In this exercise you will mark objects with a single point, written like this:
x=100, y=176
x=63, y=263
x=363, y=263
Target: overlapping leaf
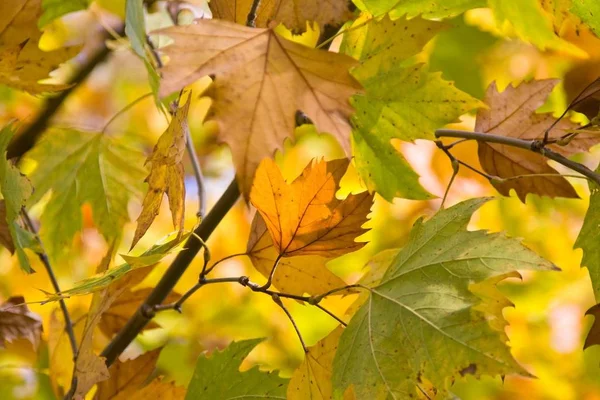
x=428, y=9
x=22, y=63
x=422, y=311
x=512, y=113
x=305, y=217
x=419, y=103
x=79, y=168
x=17, y=321
x=15, y=189
x=219, y=378
x=261, y=80
x=589, y=238
x=166, y=175
x=54, y=9
x=588, y=11
x=294, y=14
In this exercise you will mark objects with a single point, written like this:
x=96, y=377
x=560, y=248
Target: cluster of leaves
x=424, y=315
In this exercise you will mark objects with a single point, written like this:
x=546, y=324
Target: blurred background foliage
x=546, y=325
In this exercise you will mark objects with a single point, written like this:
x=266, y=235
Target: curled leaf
x=17, y=321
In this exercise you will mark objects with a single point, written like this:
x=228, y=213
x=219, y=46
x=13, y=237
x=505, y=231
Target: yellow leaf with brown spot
x=22, y=62
x=294, y=14
x=295, y=275
x=166, y=175
x=305, y=218
x=261, y=81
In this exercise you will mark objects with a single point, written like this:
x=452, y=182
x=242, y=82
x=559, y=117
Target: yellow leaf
x=59, y=348
x=166, y=175
x=22, y=62
x=294, y=14
x=305, y=218
x=261, y=81
x=295, y=275
x=158, y=389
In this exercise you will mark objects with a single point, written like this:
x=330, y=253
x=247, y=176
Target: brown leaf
x=158, y=389
x=5, y=237
x=295, y=275
x=588, y=101
x=128, y=377
x=294, y=14
x=117, y=315
x=512, y=114
x=261, y=81
x=17, y=321
x=22, y=63
x=593, y=336
x=305, y=218
x=166, y=175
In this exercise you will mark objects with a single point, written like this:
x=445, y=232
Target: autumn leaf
x=261, y=80
x=294, y=14
x=296, y=275
x=588, y=240
x=78, y=168
x=219, y=378
x=512, y=114
x=22, y=62
x=167, y=175
x=428, y=9
x=593, y=336
x=588, y=101
x=17, y=321
x=60, y=352
x=588, y=11
x=54, y=9
x=422, y=310
x=305, y=218
x=16, y=190
x=312, y=379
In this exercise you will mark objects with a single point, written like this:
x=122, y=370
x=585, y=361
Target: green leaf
x=94, y=283
x=426, y=8
x=420, y=322
x=589, y=12
x=15, y=189
x=79, y=168
x=54, y=9
x=589, y=239
x=532, y=24
x=219, y=378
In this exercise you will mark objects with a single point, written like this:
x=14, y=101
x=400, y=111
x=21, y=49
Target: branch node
x=147, y=311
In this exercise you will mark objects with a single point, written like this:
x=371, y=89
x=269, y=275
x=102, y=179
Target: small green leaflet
x=79, y=168
x=420, y=320
x=426, y=8
x=589, y=239
x=150, y=257
x=54, y=9
x=15, y=188
x=588, y=11
x=532, y=24
x=219, y=378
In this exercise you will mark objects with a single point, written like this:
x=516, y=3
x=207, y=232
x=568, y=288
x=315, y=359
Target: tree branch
x=536, y=146
x=22, y=143
x=145, y=312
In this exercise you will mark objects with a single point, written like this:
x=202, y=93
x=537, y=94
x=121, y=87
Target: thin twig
x=536, y=146
x=43, y=256
x=125, y=109
x=332, y=315
x=270, y=279
x=251, y=20
x=154, y=52
x=278, y=301
x=197, y=174
x=209, y=270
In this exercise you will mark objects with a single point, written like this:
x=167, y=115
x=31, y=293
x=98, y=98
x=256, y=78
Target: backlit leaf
x=588, y=11
x=166, y=175
x=17, y=321
x=79, y=168
x=219, y=378
x=422, y=311
x=261, y=80
x=426, y=8
x=54, y=9
x=588, y=240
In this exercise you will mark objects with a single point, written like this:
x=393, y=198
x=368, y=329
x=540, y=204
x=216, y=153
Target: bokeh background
x=547, y=324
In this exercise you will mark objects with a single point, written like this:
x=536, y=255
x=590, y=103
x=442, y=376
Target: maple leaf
x=305, y=218
x=588, y=11
x=17, y=321
x=219, y=378
x=22, y=62
x=512, y=114
x=295, y=275
x=79, y=168
x=294, y=14
x=428, y=9
x=422, y=310
x=588, y=239
x=60, y=353
x=15, y=189
x=262, y=80
x=166, y=175
x=312, y=379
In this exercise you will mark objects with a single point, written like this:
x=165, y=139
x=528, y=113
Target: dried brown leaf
x=22, y=63
x=17, y=321
x=166, y=175
x=512, y=114
x=5, y=237
x=593, y=336
x=261, y=81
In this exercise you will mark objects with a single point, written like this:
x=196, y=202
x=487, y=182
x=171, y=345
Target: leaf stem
x=189, y=144
x=209, y=270
x=536, y=146
x=251, y=20
x=125, y=109
x=278, y=301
